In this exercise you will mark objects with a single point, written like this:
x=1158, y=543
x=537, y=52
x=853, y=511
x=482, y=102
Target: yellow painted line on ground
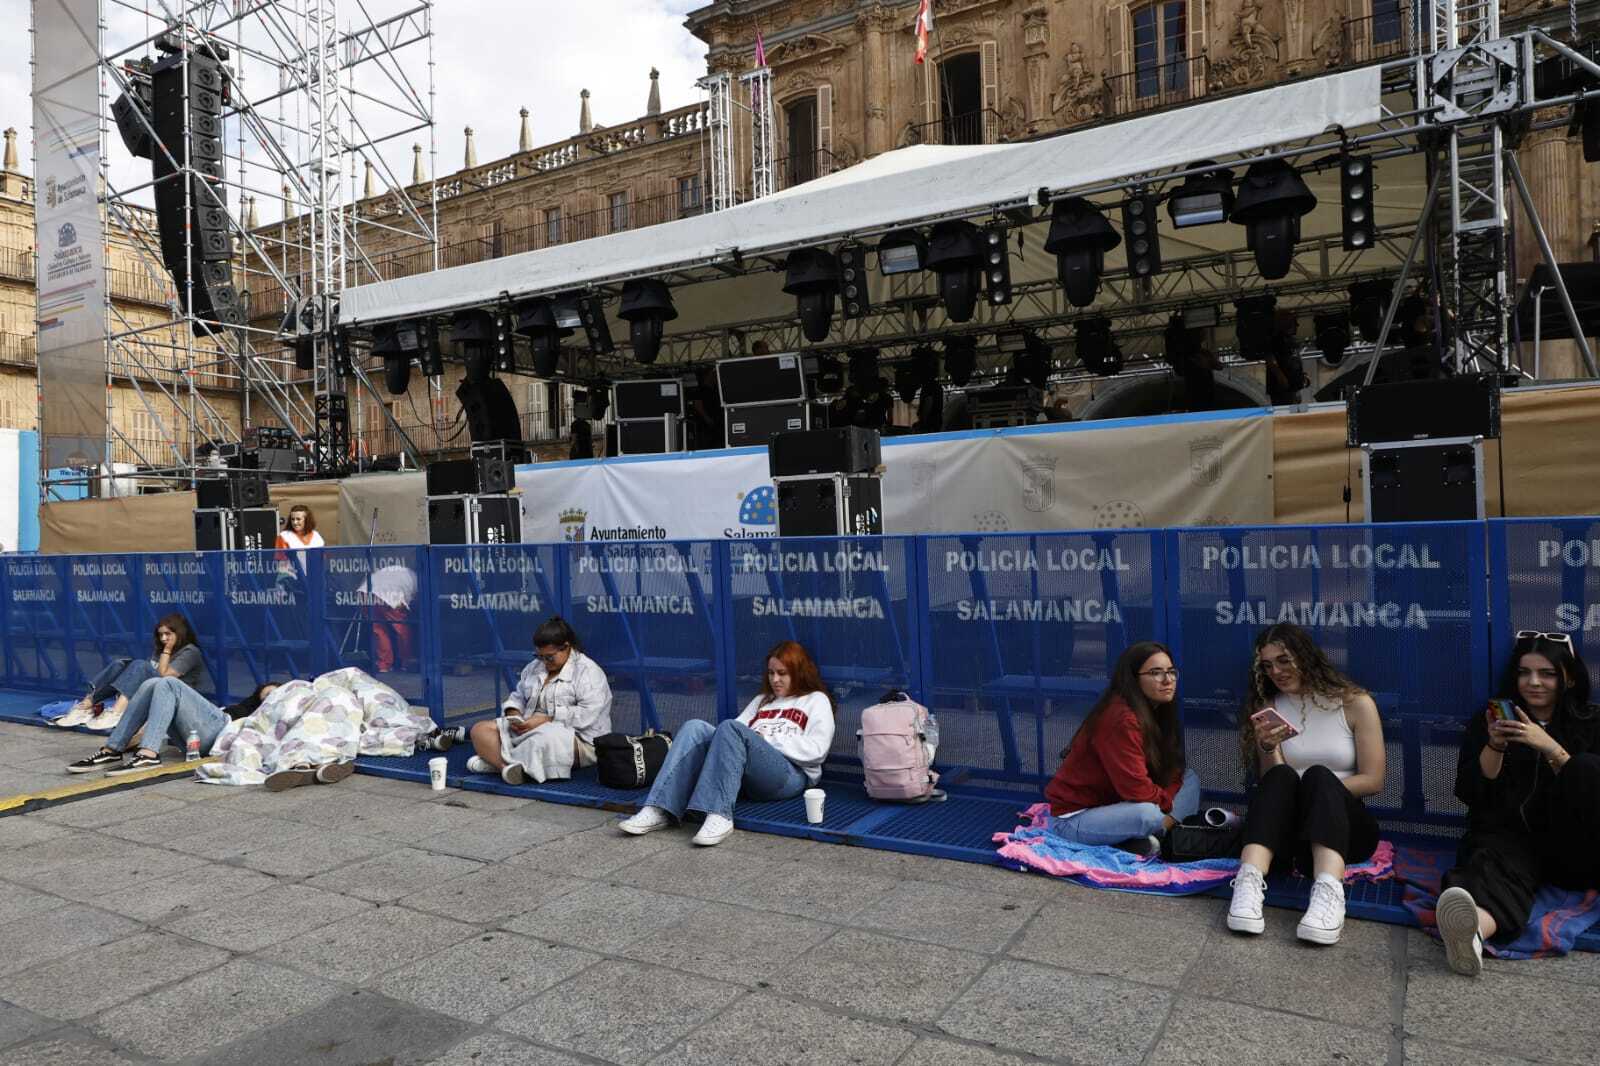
x=86, y=786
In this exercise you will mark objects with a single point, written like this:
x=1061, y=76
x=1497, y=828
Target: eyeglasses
x=548, y=657
x=1161, y=675
x=1554, y=638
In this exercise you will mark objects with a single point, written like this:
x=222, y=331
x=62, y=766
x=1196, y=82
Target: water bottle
x=191, y=747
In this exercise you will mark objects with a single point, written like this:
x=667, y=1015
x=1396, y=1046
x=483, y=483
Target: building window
x=689, y=195
x=961, y=99
x=619, y=212
x=800, y=125
x=1160, y=48
x=552, y=225
x=1386, y=21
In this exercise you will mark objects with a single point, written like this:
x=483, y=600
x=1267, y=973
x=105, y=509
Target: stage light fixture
x=811, y=276
x=863, y=368
x=1010, y=342
x=1097, y=348
x=647, y=308
x=305, y=353
x=342, y=367
x=853, y=290
x=536, y=320
x=960, y=359
x=430, y=357
x=957, y=253
x=1203, y=317
x=1139, y=229
x=388, y=343
x=1359, y=228
x=930, y=409
x=903, y=251
x=1202, y=199
x=1368, y=301
x=1253, y=325
x=1411, y=321
x=1272, y=198
x=906, y=382
x=1182, y=343
x=1332, y=331
x=830, y=375
x=997, y=263
x=1036, y=362
x=925, y=362
x=1079, y=238
x=482, y=342
x=592, y=318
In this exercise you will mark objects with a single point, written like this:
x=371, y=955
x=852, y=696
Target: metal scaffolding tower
x=719, y=129
x=759, y=85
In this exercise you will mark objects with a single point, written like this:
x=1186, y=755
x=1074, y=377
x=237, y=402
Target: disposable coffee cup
x=814, y=801
x=436, y=771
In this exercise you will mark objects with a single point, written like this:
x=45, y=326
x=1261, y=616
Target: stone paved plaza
x=376, y=922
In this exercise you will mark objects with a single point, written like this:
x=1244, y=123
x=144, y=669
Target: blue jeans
x=709, y=767
x=1116, y=822
x=122, y=676
x=167, y=708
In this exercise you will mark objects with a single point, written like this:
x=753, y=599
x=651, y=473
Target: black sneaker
x=98, y=761
x=138, y=761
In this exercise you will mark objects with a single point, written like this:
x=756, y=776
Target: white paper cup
x=814, y=801
x=436, y=770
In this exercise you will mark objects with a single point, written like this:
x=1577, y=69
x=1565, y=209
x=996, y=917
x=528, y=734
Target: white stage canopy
x=904, y=187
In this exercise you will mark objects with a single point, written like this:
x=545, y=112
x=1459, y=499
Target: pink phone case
x=1271, y=714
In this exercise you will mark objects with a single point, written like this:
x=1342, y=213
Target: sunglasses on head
x=1554, y=638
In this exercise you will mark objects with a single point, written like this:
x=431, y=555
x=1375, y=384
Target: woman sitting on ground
x=549, y=722
x=1312, y=774
x=1532, y=790
x=175, y=654
x=773, y=751
x=1122, y=779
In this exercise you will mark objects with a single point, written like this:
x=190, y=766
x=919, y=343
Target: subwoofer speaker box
x=1467, y=405
x=231, y=492
x=841, y=450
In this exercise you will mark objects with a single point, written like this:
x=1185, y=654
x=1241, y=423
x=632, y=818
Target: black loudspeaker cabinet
x=757, y=423
x=841, y=450
x=649, y=436
x=490, y=411
x=649, y=398
x=230, y=529
x=761, y=379
x=1464, y=406
x=830, y=505
x=489, y=519
x=451, y=477
x=231, y=492
x=1424, y=481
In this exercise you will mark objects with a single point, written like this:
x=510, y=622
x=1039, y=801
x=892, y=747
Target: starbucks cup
x=814, y=800
x=436, y=770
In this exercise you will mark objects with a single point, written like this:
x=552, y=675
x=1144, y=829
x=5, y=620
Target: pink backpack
x=898, y=739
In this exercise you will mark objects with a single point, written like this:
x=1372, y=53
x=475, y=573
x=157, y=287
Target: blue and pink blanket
x=1559, y=916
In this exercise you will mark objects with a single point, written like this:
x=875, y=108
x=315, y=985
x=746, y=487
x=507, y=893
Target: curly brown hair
x=1320, y=678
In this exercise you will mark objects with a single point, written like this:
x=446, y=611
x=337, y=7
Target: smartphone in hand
x=1269, y=716
x=1502, y=711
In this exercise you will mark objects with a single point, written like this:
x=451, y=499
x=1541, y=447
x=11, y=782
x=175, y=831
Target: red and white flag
x=761, y=50
x=923, y=26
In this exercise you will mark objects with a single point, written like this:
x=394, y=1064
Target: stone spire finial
x=250, y=220
x=11, y=149
x=585, y=122
x=654, y=106
x=288, y=201
x=525, y=138
x=470, y=160
x=418, y=175
x=366, y=185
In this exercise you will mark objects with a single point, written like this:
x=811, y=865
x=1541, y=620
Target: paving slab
x=494, y=836
x=97, y=879
x=212, y=1009
x=620, y=1012
x=1208, y=1032
x=764, y=1030
x=494, y=893
x=63, y=1049
x=486, y=976
x=88, y=982
x=687, y=870
x=806, y=889
x=595, y=853
x=730, y=943
x=407, y=821
x=109, y=809
x=1091, y=939
x=394, y=874
x=19, y=831
x=354, y=1029
x=884, y=976
x=952, y=916
x=569, y=815
x=318, y=851
x=1022, y=1006
x=933, y=1051
x=19, y=901
x=606, y=918
x=472, y=801
x=198, y=888
x=1431, y=1053
x=370, y=942
x=267, y=917
x=18, y=1025
x=56, y=933
x=496, y=1050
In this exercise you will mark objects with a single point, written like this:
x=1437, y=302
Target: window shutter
x=824, y=129
x=928, y=100
x=989, y=61
x=1117, y=28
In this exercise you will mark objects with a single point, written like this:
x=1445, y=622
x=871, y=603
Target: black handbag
x=1196, y=838
x=622, y=761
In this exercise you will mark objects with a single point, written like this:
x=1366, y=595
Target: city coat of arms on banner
x=572, y=523
x=1205, y=460
x=1038, y=482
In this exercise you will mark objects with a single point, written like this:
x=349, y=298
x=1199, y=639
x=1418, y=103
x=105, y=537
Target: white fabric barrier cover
x=897, y=187
x=1206, y=471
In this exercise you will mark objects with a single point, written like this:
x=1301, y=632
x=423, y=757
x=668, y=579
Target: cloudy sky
x=493, y=57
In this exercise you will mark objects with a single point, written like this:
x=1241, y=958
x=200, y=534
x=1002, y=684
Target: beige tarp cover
x=397, y=498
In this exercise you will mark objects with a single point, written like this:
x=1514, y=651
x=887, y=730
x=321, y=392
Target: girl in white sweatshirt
x=773, y=751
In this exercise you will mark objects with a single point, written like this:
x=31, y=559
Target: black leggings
x=1503, y=866
x=1289, y=812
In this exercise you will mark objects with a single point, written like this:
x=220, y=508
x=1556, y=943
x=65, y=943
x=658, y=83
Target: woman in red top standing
x=1122, y=779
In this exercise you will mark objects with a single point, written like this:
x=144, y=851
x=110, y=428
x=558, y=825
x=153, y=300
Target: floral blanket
x=312, y=723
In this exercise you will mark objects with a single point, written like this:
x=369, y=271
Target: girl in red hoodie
x=1122, y=779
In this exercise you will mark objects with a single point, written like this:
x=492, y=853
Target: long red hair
x=804, y=677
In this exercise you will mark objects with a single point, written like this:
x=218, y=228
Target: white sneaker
x=514, y=774
x=648, y=820
x=1324, y=918
x=1457, y=913
x=79, y=715
x=1249, y=896
x=477, y=765
x=714, y=831
x=106, y=720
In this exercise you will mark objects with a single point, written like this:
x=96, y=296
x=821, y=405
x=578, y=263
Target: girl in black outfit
x=1532, y=790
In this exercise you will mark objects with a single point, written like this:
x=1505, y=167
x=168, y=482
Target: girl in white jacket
x=773, y=751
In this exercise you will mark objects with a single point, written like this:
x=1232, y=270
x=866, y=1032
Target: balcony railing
x=1385, y=33
x=1155, y=85
x=792, y=170
x=19, y=349
x=974, y=127
x=16, y=263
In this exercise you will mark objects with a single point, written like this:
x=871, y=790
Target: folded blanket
x=314, y=723
x=546, y=753
x=1033, y=846
x=51, y=711
x=1559, y=917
